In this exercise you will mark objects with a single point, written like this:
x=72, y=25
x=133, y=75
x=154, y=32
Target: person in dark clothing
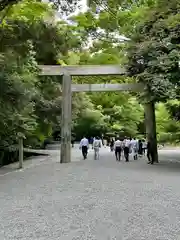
x=72, y=141
x=112, y=145
x=91, y=141
x=140, y=150
x=150, y=153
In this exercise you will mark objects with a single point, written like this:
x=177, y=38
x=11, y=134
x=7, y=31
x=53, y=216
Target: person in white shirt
x=134, y=147
x=97, y=144
x=84, y=145
x=118, y=149
x=127, y=144
x=105, y=143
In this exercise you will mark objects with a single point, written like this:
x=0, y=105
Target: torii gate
x=67, y=88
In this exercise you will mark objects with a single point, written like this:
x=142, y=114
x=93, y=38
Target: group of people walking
x=121, y=147
x=126, y=146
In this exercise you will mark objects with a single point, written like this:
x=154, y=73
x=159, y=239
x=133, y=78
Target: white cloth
x=127, y=143
x=118, y=143
x=97, y=143
x=134, y=152
x=144, y=145
x=134, y=144
x=105, y=142
x=134, y=147
x=84, y=142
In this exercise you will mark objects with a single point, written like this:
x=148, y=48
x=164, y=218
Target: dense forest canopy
x=30, y=35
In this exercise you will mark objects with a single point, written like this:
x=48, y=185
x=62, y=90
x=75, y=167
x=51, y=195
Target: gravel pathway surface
x=93, y=200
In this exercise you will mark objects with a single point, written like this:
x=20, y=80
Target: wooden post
x=21, y=155
x=66, y=120
x=150, y=121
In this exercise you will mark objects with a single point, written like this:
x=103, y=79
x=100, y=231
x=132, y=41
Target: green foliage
x=67, y=6
x=17, y=90
x=7, y=4
x=168, y=129
x=153, y=55
x=29, y=11
x=89, y=121
x=31, y=105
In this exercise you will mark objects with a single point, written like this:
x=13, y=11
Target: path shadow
x=168, y=166
x=167, y=163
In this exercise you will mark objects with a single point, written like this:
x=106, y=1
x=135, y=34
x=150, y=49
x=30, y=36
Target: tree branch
x=7, y=3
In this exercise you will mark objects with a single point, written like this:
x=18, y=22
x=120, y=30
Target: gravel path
x=92, y=200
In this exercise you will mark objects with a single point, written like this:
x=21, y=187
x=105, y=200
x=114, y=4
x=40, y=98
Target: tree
x=7, y=3
x=17, y=91
x=89, y=121
x=28, y=38
x=154, y=52
x=67, y=6
x=168, y=128
x=27, y=21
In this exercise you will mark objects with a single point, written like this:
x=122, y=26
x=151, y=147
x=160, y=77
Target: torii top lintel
x=82, y=70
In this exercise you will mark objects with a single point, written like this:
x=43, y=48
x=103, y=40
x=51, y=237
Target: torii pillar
x=66, y=118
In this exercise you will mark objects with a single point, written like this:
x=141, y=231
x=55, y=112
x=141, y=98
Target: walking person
x=105, y=143
x=144, y=146
x=91, y=141
x=150, y=153
x=134, y=148
x=112, y=145
x=140, y=150
x=84, y=145
x=97, y=144
x=127, y=144
x=118, y=149
x=72, y=141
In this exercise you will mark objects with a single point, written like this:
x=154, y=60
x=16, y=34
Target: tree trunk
x=150, y=121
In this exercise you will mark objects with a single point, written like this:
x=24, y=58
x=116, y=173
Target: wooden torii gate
x=67, y=88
